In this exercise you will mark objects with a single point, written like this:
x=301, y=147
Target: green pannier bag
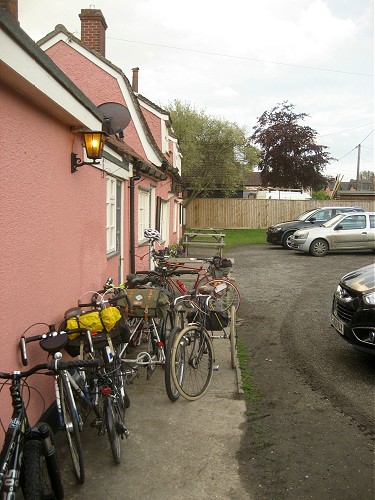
x=144, y=303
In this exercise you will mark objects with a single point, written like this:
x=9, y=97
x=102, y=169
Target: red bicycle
x=167, y=274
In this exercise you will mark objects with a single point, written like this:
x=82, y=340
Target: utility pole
x=358, y=163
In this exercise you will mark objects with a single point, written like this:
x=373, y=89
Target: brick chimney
x=135, y=80
x=10, y=6
x=93, y=28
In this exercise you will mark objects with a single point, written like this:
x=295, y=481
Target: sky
x=236, y=59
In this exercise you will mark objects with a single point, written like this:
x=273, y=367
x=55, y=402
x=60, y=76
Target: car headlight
x=301, y=234
x=369, y=298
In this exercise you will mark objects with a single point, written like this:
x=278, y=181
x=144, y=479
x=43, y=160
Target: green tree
x=290, y=157
x=367, y=175
x=216, y=154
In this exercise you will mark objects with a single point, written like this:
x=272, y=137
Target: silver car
x=350, y=231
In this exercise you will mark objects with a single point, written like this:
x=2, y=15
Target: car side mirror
x=337, y=228
x=313, y=219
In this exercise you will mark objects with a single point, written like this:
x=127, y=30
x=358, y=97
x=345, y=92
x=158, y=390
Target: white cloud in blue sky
x=238, y=59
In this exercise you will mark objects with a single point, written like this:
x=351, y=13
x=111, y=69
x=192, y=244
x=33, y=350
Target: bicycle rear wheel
x=114, y=409
x=192, y=362
x=226, y=293
x=112, y=421
x=71, y=423
x=233, y=337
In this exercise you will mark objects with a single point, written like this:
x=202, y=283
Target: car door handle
x=364, y=232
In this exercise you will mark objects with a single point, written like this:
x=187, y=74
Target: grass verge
x=239, y=237
x=251, y=394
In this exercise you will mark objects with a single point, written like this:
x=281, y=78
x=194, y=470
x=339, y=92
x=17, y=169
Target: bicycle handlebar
x=55, y=366
x=52, y=333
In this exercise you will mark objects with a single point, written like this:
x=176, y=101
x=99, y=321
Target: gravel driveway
x=311, y=433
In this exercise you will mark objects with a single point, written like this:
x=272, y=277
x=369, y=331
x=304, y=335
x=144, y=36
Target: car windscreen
x=334, y=220
x=305, y=215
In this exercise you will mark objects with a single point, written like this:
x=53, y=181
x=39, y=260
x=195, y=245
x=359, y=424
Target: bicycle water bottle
x=77, y=378
x=181, y=285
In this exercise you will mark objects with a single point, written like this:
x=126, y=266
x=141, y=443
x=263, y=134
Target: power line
x=347, y=130
x=355, y=147
x=239, y=57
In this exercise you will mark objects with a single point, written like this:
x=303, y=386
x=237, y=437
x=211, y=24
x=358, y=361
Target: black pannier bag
x=213, y=320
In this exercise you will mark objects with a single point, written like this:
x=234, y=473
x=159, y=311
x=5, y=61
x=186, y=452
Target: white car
x=350, y=231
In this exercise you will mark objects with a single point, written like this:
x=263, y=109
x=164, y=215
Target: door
x=350, y=232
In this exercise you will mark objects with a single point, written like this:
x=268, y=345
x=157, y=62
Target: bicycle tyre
x=37, y=481
x=111, y=417
x=233, y=337
x=224, y=300
x=172, y=391
x=71, y=418
x=192, y=347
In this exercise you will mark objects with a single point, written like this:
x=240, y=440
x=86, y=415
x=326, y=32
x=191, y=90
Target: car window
x=323, y=215
x=353, y=222
x=372, y=221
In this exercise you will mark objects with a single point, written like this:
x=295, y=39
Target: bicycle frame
x=11, y=454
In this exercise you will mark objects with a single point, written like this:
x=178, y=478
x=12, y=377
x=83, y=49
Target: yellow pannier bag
x=95, y=321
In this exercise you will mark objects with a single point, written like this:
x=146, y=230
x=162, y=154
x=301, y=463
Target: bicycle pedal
x=216, y=368
x=96, y=423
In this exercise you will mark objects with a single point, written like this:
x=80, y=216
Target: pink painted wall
x=52, y=227
x=154, y=124
x=99, y=86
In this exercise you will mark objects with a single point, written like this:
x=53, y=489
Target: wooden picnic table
x=204, y=238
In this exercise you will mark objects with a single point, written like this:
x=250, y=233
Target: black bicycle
x=28, y=458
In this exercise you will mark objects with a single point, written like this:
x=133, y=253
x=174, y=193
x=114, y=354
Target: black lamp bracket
x=76, y=162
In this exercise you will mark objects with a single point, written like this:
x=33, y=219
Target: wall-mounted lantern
x=94, y=143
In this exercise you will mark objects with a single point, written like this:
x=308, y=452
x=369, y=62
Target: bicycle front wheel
x=71, y=423
x=171, y=389
x=39, y=480
x=192, y=362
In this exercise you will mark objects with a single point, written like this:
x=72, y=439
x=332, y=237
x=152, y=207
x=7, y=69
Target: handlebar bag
x=144, y=303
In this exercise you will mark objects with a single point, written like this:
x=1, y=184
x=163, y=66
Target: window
x=354, y=222
x=111, y=214
x=175, y=216
x=323, y=215
x=144, y=212
x=372, y=221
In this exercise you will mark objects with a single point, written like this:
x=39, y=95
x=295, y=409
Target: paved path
x=182, y=450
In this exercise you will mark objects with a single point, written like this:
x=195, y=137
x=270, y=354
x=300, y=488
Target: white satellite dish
x=116, y=117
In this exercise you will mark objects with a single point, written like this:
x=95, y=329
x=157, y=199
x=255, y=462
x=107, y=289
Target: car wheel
x=287, y=240
x=319, y=248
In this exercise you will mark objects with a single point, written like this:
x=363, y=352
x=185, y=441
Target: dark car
x=280, y=234
x=353, y=309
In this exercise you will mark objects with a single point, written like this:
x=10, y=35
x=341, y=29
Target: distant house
x=347, y=190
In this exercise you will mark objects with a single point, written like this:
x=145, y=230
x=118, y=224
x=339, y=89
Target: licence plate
x=336, y=323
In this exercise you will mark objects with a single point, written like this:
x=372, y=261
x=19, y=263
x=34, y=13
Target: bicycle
x=69, y=416
x=28, y=458
x=191, y=370
x=226, y=292
x=106, y=387
x=191, y=357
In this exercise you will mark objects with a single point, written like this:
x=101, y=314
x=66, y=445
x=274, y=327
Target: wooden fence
x=237, y=213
